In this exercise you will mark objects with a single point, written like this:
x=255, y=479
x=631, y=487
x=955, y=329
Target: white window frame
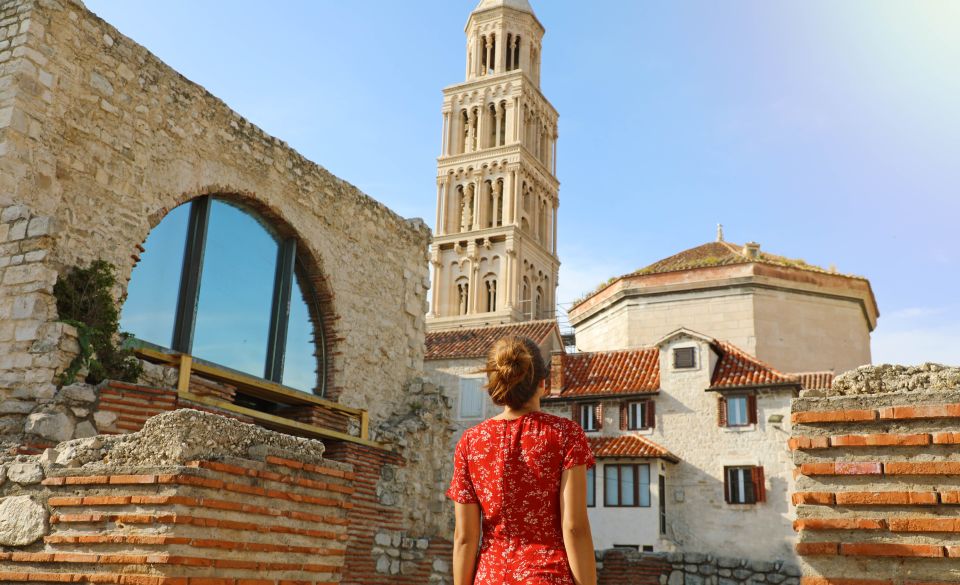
x=590, y=416
x=637, y=415
x=744, y=475
x=738, y=399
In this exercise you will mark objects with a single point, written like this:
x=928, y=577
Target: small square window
x=588, y=417
x=737, y=413
x=744, y=485
x=685, y=357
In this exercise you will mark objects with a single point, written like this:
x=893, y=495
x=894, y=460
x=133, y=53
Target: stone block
x=55, y=426
x=104, y=419
x=14, y=212
x=16, y=407
x=39, y=226
x=79, y=393
x=22, y=521
x=27, y=473
x=84, y=430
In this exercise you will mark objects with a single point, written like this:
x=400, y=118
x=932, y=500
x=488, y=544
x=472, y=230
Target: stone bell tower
x=494, y=255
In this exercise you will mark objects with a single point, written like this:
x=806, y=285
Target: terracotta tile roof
x=476, y=342
x=611, y=372
x=714, y=254
x=722, y=254
x=629, y=446
x=738, y=368
x=815, y=380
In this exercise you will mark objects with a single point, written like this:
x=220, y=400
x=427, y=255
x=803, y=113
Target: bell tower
x=494, y=254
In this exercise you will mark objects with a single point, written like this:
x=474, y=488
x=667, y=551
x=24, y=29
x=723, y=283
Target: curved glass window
x=239, y=303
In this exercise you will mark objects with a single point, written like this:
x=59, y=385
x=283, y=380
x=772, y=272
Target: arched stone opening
x=223, y=240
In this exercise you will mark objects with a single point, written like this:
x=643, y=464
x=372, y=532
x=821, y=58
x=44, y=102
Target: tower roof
x=522, y=5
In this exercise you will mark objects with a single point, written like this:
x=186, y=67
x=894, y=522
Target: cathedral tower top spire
x=503, y=36
x=494, y=253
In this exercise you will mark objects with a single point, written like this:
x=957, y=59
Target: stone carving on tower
x=494, y=254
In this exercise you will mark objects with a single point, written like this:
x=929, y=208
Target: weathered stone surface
x=16, y=406
x=104, y=419
x=79, y=393
x=25, y=473
x=84, y=430
x=55, y=426
x=22, y=521
x=879, y=379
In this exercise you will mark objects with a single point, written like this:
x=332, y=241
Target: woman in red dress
x=520, y=486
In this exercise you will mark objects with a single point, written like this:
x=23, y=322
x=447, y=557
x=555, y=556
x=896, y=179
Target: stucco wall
x=103, y=139
x=698, y=518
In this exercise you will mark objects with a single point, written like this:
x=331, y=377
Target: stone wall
x=190, y=497
x=99, y=140
x=879, y=477
x=628, y=567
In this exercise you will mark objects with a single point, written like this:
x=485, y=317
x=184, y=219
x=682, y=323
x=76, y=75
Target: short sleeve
x=576, y=448
x=461, y=486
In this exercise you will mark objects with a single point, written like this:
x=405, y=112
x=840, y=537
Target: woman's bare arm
x=577, y=539
x=466, y=542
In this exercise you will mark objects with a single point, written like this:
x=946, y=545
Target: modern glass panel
x=610, y=485
x=151, y=304
x=644, y=484
x=236, y=291
x=300, y=361
x=627, y=485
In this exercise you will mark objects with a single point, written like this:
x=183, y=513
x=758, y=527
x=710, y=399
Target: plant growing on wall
x=84, y=301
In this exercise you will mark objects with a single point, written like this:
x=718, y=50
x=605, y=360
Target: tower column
x=441, y=201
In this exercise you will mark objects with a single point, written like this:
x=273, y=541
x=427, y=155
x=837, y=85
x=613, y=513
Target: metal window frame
x=188, y=296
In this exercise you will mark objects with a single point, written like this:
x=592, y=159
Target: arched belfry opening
x=227, y=282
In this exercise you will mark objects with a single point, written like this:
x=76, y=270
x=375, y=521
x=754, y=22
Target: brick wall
x=267, y=521
x=878, y=483
x=379, y=548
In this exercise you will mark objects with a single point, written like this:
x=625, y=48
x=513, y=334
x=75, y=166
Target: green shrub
x=84, y=301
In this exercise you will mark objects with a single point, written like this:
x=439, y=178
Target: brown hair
x=514, y=371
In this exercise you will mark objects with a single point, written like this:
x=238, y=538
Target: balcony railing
x=260, y=389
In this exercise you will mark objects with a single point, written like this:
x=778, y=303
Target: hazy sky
x=827, y=131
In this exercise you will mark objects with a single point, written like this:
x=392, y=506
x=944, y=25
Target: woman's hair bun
x=514, y=370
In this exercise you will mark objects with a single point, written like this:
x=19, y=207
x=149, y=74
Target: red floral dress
x=512, y=468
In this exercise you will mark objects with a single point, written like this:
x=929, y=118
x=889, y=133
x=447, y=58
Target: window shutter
x=599, y=414
x=752, y=408
x=575, y=412
x=726, y=484
x=759, y=489
x=624, y=414
x=651, y=421
x=722, y=411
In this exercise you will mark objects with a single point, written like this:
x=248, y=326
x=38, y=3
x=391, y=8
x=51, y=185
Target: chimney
x=556, y=373
x=751, y=250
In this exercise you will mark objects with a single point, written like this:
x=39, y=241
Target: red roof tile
x=815, y=380
x=629, y=446
x=611, y=372
x=476, y=342
x=738, y=368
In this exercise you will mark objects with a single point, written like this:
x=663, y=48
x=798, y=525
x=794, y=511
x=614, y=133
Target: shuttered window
x=737, y=411
x=685, y=357
x=471, y=398
x=589, y=415
x=639, y=415
x=744, y=485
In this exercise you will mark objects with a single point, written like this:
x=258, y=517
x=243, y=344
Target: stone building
x=690, y=439
x=494, y=254
x=108, y=154
x=793, y=315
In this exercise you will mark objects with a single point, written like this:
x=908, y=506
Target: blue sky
x=826, y=131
